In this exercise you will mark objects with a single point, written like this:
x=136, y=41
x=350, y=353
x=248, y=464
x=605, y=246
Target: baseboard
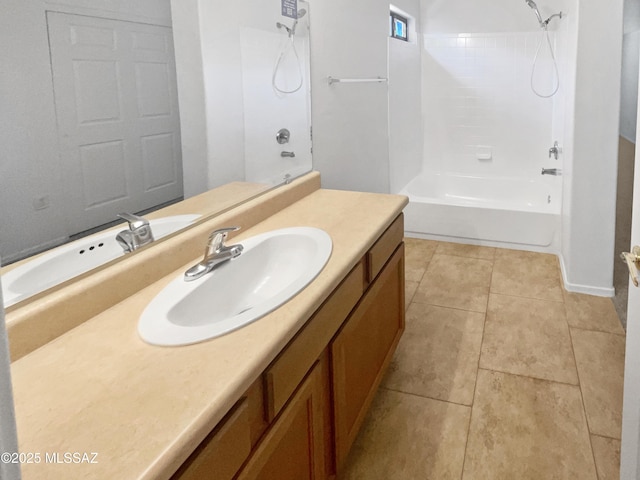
x=586, y=289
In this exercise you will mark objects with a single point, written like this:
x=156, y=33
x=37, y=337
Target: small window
x=399, y=27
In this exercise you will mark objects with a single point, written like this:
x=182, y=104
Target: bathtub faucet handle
x=555, y=150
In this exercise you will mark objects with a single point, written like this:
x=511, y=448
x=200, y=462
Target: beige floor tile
x=607, y=454
x=406, y=437
x=409, y=291
x=418, y=253
x=456, y=282
x=527, y=429
x=438, y=354
x=528, y=337
x=526, y=274
x=592, y=313
x=464, y=250
x=600, y=362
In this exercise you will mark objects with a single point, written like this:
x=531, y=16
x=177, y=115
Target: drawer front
x=288, y=370
x=223, y=452
x=378, y=255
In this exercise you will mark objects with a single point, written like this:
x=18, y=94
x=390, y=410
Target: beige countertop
x=143, y=409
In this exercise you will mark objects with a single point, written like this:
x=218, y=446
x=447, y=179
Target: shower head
x=301, y=13
x=534, y=7
x=292, y=31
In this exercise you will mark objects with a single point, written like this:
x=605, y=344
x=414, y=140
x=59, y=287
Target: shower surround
x=486, y=139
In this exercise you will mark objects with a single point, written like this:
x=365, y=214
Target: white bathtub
x=484, y=210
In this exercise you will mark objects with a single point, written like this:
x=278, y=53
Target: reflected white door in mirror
x=117, y=114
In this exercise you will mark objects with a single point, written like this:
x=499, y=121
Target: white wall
x=29, y=163
x=190, y=78
x=630, y=68
x=629, y=94
x=478, y=16
x=350, y=121
x=590, y=178
x=225, y=55
x=405, y=93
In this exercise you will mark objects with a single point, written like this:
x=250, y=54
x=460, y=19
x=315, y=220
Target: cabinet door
x=363, y=349
x=293, y=449
x=224, y=450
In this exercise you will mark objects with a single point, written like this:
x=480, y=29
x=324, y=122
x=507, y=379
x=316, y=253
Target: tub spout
x=551, y=171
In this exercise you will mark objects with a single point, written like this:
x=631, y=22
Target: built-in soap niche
x=484, y=153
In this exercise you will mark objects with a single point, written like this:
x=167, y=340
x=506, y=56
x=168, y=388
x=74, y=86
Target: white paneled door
x=117, y=113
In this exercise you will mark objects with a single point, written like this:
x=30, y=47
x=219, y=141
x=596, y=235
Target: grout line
x=529, y=377
x=528, y=298
x=605, y=436
x=452, y=254
x=447, y=307
x=425, y=397
x=584, y=408
x=597, y=331
x=466, y=257
x=475, y=384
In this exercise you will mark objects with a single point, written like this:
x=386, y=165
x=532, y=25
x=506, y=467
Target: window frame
x=396, y=16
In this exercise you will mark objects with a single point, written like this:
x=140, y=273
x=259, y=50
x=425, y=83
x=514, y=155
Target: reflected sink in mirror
x=272, y=268
x=75, y=258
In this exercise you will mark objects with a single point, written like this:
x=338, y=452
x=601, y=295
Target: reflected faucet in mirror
x=138, y=235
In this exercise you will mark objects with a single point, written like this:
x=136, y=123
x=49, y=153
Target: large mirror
x=113, y=107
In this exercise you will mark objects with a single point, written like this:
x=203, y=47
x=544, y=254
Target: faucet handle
x=135, y=221
x=217, y=238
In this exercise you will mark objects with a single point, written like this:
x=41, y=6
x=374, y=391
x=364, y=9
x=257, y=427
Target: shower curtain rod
x=333, y=80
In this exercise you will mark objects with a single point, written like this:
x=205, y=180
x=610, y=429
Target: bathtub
x=484, y=210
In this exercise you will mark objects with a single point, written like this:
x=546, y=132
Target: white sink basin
x=272, y=268
x=75, y=258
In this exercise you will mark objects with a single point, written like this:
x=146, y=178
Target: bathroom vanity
x=281, y=398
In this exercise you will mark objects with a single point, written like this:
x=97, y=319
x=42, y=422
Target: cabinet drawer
x=223, y=452
x=288, y=370
x=378, y=255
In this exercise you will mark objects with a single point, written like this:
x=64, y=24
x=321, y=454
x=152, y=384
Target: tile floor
x=500, y=374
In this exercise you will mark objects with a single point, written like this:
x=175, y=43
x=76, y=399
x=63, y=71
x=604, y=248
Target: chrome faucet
x=287, y=154
x=215, y=253
x=138, y=235
x=551, y=171
x=555, y=150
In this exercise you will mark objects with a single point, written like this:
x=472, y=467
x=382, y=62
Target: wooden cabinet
x=299, y=419
x=285, y=373
x=224, y=450
x=293, y=449
x=363, y=349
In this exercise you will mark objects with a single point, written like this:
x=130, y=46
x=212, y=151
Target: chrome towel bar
x=333, y=80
